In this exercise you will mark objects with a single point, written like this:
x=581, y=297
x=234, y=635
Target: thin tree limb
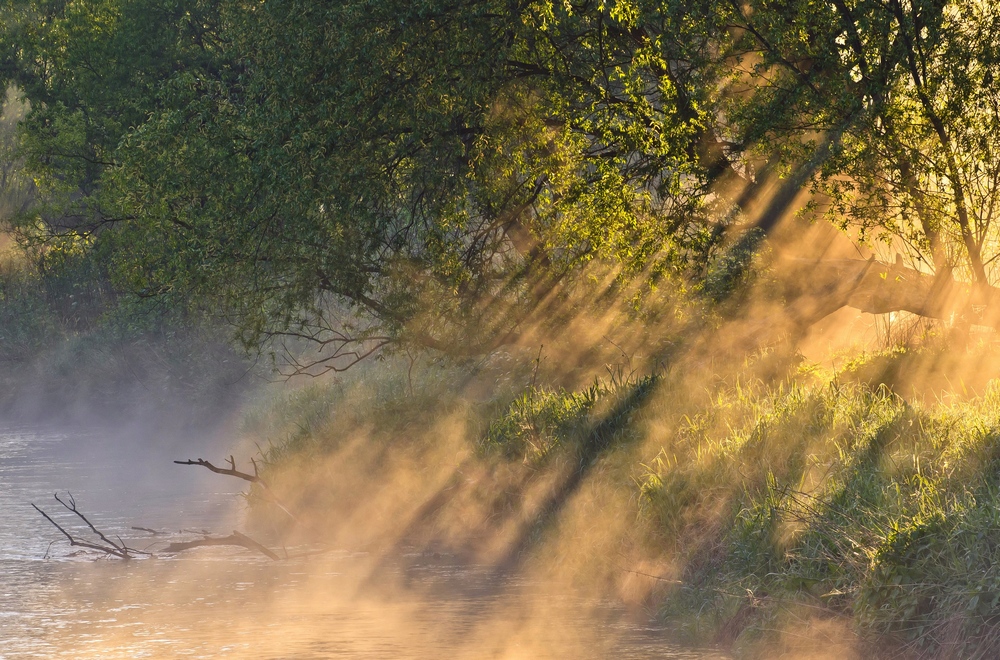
x=71, y=506
x=252, y=478
x=230, y=471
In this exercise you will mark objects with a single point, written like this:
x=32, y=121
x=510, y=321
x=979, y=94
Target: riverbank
x=777, y=508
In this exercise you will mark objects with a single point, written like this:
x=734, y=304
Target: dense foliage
x=371, y=172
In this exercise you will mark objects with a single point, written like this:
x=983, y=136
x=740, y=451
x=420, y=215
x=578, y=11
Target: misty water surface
x=227, y=603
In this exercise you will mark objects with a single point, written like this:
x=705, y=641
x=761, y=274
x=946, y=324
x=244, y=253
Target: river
x=226, y=602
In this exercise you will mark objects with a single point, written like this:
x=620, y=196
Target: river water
x=225, y=602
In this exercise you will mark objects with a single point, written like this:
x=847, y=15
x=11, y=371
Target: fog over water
x=226, y=602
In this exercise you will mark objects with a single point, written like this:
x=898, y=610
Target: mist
x=610, y=485
x=607, y=486
x=425, y=329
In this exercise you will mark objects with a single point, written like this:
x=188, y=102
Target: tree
x=921, y=172
x=427, y=172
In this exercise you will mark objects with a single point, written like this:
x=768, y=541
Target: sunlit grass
x=812, y=493
x=839, y=497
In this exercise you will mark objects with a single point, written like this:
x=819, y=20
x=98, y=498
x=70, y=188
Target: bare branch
x=235, y=538
x=113, y=550
x=231, y=471
x=252, y=478
x=147, y=529
x=122, y=548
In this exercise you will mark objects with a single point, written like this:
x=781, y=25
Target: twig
x=534, y=372
x=625, y=355
x=151, y=531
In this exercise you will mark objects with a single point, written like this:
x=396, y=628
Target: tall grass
x=840, y=499
x=808, y=494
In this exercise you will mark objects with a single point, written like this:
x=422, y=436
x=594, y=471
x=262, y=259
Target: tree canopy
x=426, y=171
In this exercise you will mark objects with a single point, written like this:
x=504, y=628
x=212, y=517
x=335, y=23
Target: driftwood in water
x=148, y=530
x=235, y=539
x=122, y=551
x=107, y=546
x=245, y=476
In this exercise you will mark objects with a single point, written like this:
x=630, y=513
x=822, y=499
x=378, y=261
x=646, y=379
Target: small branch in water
x=252, y=478
x=231, y=471
x=235, y=538
x=147, y=529
x=71, y=506
x=119, y=549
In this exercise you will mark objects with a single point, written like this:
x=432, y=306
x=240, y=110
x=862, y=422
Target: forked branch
x=118, y=549
x=230, y=471
x=245, y=476
x=122, y=551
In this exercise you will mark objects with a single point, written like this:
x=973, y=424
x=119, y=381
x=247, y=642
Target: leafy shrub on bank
x=540, y=420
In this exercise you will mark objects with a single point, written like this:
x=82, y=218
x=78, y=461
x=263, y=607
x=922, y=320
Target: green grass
x=837, y=499
x=806, y=495
x=540, y=421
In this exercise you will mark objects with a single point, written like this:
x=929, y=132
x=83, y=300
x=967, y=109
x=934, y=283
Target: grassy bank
x=793, y=501
x=779, y=509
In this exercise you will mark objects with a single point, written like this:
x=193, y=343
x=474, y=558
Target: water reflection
x=220, y=602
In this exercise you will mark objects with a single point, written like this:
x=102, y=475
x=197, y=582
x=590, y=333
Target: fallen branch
x=203, y=532
x=122, y=551
x=119, y=549
x=71, y=506
x=148, y=530
x=252, y=478
x=235, y=538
